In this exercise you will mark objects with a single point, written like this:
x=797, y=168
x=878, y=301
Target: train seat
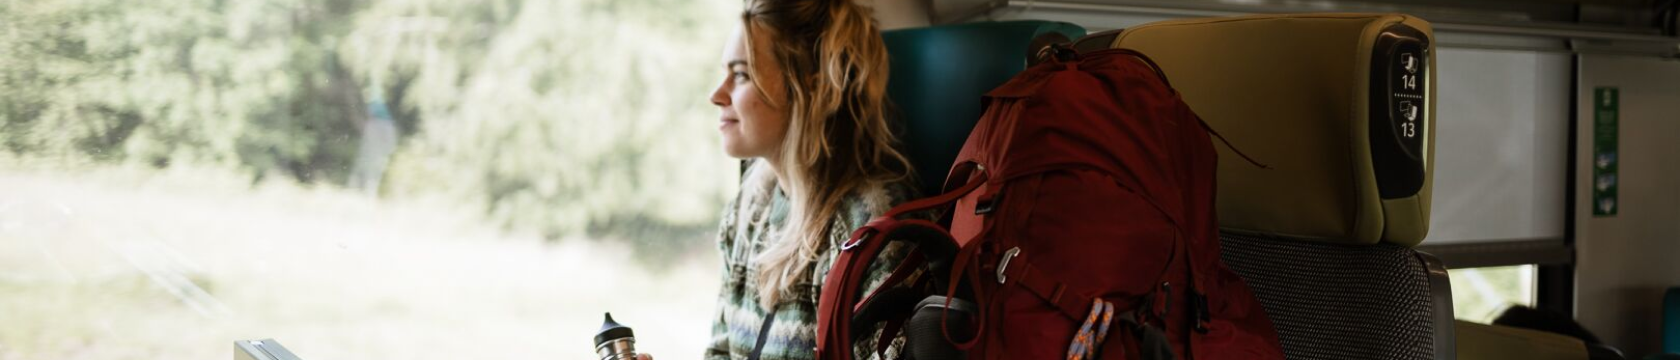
x=1340, y=108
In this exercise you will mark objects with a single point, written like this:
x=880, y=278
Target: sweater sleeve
x=717, y=348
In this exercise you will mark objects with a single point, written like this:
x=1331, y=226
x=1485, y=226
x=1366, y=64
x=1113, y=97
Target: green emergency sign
x=1606, y=109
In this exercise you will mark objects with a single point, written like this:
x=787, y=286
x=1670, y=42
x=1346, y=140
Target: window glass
x=1501, y=135
x=418, y=179
x=1480, y=294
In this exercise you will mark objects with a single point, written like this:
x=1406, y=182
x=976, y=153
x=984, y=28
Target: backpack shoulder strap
x=838, y=301
x=763, y=334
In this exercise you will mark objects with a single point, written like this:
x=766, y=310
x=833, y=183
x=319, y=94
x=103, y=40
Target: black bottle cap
x=611, y=330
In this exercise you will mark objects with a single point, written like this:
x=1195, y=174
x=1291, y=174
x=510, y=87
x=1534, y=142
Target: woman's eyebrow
x=732, y=63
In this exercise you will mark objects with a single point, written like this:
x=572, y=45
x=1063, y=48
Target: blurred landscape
x=118, y=265
x=564, y=117
x=1481, y=294
x=423, y=179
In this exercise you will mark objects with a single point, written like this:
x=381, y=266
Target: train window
x=1480, y=294
x=417, y=179
x=1499, y=202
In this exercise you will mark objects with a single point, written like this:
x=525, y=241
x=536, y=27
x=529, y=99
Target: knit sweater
x=792, y=335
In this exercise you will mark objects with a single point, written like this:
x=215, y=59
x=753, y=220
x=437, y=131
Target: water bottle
x=615, y=342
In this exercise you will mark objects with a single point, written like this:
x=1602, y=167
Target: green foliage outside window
x=565, y=118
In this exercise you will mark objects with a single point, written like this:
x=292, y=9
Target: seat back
x=938, y=76
x=1340, y=109
x=1341, y=301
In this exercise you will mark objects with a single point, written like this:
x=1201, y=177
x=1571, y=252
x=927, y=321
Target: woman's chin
x=734, y=150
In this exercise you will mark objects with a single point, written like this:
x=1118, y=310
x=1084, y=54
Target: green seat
x=1671, y=321
x=938, y=76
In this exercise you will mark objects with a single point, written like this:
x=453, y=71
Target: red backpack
x=1082, y=227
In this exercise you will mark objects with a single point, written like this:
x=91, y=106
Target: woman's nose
x=720, y=96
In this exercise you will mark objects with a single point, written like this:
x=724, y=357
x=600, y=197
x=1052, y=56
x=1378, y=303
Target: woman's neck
x=781, y=182
x=777, y=170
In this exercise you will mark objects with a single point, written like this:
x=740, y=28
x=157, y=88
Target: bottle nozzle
x=612, y=330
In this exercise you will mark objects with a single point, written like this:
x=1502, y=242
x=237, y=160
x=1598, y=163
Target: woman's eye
x=738, y=76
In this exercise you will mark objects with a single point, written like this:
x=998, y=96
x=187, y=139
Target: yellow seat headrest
x=1339, y=106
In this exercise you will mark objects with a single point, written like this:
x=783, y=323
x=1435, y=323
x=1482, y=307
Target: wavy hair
x=838, y=141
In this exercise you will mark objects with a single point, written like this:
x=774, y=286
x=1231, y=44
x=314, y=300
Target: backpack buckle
x=1199, y=314
x=1003, y=264
x=857, y=238
x=987, y=203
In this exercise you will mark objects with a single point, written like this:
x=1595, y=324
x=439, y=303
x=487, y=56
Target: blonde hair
x=838, y=139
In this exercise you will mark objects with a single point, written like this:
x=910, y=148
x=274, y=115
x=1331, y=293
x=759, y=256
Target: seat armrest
x=1493, y=342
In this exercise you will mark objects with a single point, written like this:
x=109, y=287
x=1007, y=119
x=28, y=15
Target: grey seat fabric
x=1340, y=301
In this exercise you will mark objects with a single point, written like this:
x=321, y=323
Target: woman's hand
x=644, y=357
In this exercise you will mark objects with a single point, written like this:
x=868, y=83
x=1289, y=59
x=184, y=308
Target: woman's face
x=752, y=125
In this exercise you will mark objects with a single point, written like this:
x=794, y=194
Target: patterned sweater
x=792, y=334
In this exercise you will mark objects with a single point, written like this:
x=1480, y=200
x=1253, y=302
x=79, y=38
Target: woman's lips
x=726, y=122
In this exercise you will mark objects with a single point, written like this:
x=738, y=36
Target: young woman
x=804, y=100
